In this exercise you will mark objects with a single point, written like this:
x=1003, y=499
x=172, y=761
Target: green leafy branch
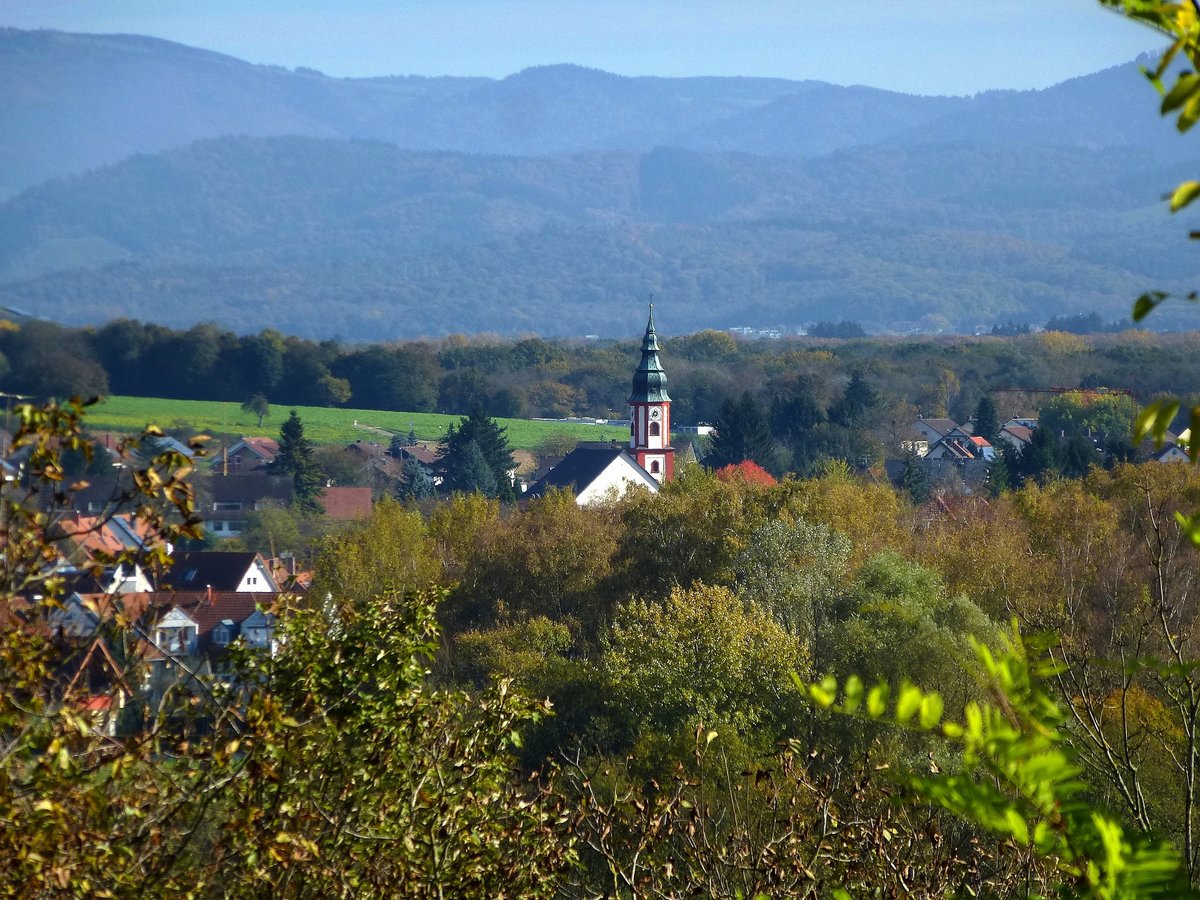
x=1019, y=779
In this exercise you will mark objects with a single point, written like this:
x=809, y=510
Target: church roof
x=649, y=379
x=581, y=467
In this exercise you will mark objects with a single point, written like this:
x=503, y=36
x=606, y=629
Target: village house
x=229, y=501
x=219, y=571
x=245, y=455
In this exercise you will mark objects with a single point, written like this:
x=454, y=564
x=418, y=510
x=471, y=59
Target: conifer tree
x=490, y=442
x=986, y=420
x=415, y=482
x=472, y=474
x=1000, y=471
x=295, y=459
x=743, y=433
x=915, y=480
x=855, y=403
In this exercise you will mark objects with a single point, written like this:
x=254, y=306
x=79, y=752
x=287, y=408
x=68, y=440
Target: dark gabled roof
x=941, y=426
x=423, y=455
x=580, y=468
x=1020, y=432
x=262, y=448
x=197, y=570
x=250, y=487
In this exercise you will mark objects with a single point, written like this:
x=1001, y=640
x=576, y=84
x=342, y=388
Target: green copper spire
x=649, y=380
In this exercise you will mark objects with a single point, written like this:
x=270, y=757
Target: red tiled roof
x=207, y=610
x=347, y=502
x=98, y=534
x=265, y=447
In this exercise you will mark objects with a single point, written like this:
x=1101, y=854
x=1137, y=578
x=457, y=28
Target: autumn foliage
x=747, y=471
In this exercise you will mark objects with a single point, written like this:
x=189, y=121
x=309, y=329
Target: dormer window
x=223, y=633
x=176, y=641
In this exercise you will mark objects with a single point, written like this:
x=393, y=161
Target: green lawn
x=321, y=425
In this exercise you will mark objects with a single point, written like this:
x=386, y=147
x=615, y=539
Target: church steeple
x=650, y=411
x=649, y=379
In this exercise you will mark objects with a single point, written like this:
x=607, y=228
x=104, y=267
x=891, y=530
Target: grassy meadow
x=321, y=425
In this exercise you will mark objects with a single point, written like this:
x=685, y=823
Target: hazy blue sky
x=927, y=46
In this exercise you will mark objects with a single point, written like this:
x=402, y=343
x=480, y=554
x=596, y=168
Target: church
x=595, y=472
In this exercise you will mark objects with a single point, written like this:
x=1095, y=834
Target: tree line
x=557, y=377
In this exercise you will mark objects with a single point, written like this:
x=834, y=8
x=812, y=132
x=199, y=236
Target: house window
x=654, y=467
x=654, y=432
x=252, y=580
x=227, y=505
x=176, y=640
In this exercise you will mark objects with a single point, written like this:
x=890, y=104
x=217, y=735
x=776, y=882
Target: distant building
x=650, y=412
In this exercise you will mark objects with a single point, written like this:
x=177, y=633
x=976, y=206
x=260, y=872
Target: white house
x=596, y=472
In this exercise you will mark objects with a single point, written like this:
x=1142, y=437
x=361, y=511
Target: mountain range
x=143, y=178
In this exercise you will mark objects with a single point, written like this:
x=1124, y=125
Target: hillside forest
x=551, y=200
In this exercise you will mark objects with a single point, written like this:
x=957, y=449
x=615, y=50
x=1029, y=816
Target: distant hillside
x=72, y=102
x=144, y=178
x=365, y=241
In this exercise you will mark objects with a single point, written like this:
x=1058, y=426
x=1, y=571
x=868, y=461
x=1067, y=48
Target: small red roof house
x=106, y=535
x=982, y=448
x=245, y=455
x=345, y=503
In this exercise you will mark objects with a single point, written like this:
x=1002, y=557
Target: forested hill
x=362, y=240
x=70, y=102
x=555, y=199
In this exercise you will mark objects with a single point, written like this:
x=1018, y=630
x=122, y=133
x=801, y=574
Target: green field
x=321, y=425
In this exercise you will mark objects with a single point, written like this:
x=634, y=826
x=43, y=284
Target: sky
x=914, y=46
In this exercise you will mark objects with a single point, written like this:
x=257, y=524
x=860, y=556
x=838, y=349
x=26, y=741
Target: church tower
x=650, y=412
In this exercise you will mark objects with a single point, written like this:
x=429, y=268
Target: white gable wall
x=257, y=580
x=619, y=476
